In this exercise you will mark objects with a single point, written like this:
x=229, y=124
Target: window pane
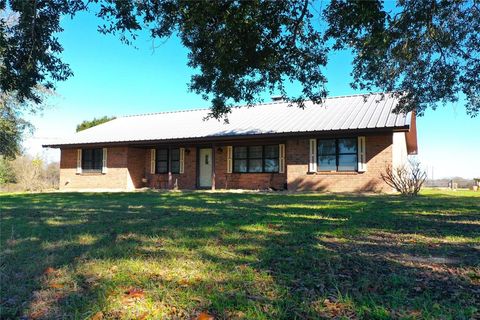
x=162, y=154
x=255, y=152
x=175, y=154
x=240, y=152
x=255, y=165
x=347, y=145
x=98, y=164
x=86, y=159
x=98, y=157
x=98, y=153
x=175, y=166
x=87, y=154
x=162, y=166
x=347, y=162
x=271, y=151
x=326, y=147
x=92, y=159
x=240, y=166
x=327, y=163
x=87, y=165
x=271, y=165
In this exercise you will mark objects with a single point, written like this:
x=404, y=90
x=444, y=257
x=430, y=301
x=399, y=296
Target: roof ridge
x=246, y=105
x=161, y=112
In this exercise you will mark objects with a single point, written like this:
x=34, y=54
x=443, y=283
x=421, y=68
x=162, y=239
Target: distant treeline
x=92, y=123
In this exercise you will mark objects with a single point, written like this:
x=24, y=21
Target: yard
x=174, y=255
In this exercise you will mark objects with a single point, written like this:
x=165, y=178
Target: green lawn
x=240, y=256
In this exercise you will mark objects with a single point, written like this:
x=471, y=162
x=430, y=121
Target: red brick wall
x=115, y=178
x=261, y=181
x=127, y=167
x=378, y=152
x=136, y=167
x=186, y=180
x=223, y=180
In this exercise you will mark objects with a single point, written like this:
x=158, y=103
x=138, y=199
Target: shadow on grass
x=239, y=255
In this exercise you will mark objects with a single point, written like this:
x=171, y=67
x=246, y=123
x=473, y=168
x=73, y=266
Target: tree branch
x=299, y=21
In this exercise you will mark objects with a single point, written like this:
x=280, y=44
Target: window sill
x=165, y=174
x=91, y=174
x=254, y=173
x=339, y=173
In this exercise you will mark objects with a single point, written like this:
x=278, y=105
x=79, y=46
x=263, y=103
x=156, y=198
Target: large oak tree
x=425, y=51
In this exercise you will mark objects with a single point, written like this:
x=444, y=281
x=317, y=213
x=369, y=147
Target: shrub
x=27, y=173
x=407, y=178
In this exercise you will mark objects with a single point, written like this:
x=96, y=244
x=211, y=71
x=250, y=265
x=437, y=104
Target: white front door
x=205, y=168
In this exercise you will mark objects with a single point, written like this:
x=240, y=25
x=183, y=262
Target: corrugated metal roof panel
x=338, y=113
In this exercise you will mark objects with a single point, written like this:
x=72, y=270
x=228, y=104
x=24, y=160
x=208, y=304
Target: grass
x=240, y=256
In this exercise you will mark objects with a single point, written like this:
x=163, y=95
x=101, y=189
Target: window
x=92, y=160
x=271, y=158
x=240, y=156
x=164, y=159
x=337, y=154
x=175, y=160
x=255, y=159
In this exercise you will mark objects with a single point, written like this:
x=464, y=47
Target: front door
x=205, y=168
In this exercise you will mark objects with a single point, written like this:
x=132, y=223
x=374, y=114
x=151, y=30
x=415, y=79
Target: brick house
x=342, y=145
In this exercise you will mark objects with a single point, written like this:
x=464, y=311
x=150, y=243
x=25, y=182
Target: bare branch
x=407, y=179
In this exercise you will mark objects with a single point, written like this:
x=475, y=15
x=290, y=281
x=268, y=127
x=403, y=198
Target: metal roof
x=345, y=113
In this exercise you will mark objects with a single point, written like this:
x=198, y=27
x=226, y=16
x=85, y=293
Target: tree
x=92, y=123
x=18, y=95
x=426, y=52
x=12, y=128
x=13, y=125
x=6, y=172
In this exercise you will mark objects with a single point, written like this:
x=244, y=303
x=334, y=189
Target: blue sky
x=111, y=78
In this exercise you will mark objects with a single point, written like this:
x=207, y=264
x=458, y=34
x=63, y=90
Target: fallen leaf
x=97, y=316
x=274, y=226
x=57, y=285
x=135, y=293
x=415, y=313
x=38, y=314
x=143, y=316
x=48, y=271
x=184, y=282
x=236, y=315
x=205, y=316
